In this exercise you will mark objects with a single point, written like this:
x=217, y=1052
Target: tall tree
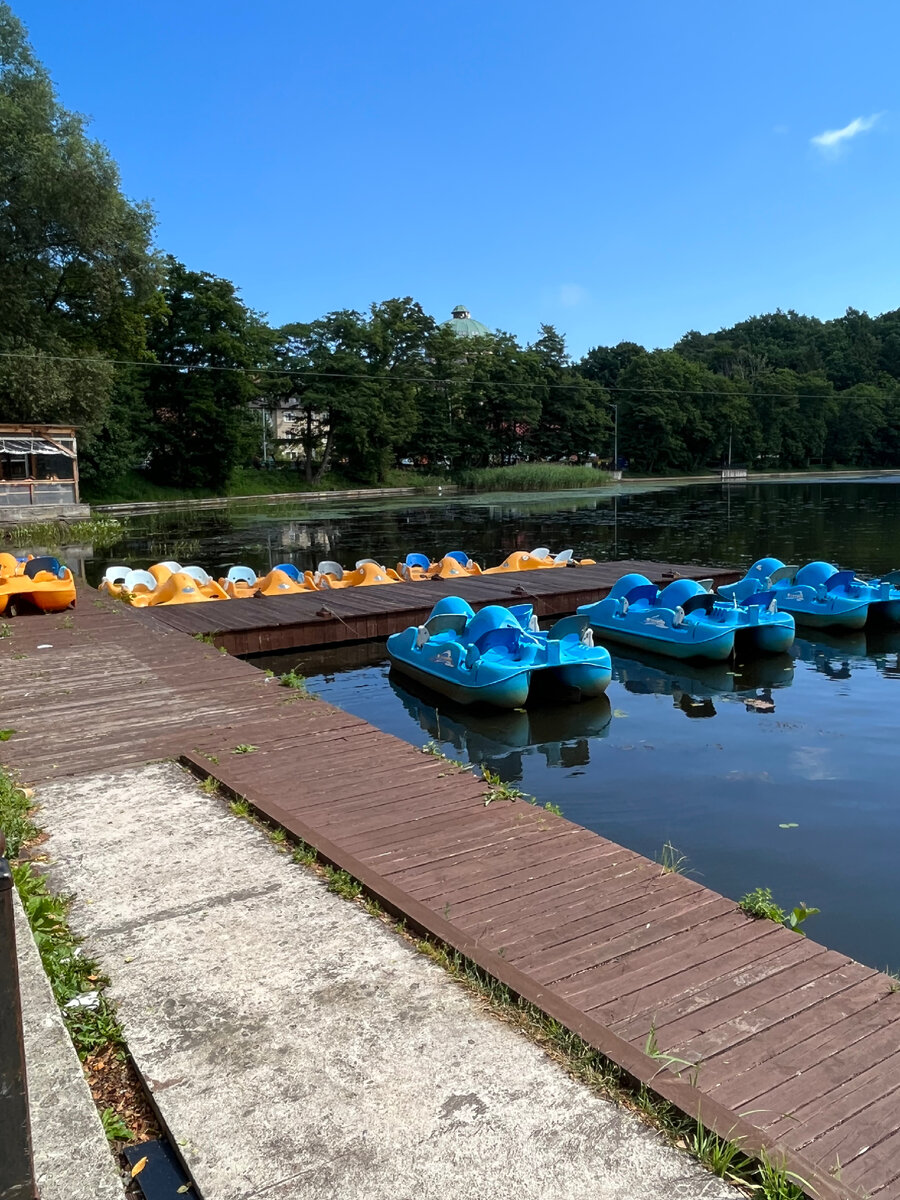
x=212, y=353
x=574, y=416
x=76, y=269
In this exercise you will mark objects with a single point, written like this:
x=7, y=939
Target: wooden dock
x=270, y=623
x=797, y=1048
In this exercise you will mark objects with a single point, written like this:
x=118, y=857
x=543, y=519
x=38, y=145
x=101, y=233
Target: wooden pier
x=796, y=1047
x=270, y=623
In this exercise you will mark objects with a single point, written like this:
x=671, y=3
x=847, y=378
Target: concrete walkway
x=72, y=1158
x=296, y=1047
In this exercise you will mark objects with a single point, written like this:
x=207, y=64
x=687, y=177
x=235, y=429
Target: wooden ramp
x=267, y=624
x=797, y=1048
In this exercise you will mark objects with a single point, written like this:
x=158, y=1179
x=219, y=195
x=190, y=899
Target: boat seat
x=361, y=562
x=892, y=578
x=197, y=573
x=170, y=565
x=567, y=627
x=327, y=567
x=786, y=573
x=115, y=575
x=290, y=570
x=564, y=556
x=459, y=555
x=706, y=584
x=505, y=637
x=760, y=599
x=417, y=560
x=838, y=580
x=644, y=591
x=703, y=601
x=541, y=552
x=44, y=562
x=446, y=623
x=241, y=575
x=135, y=579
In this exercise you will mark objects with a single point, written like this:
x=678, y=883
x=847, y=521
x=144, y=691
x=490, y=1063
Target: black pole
x=16, y=1163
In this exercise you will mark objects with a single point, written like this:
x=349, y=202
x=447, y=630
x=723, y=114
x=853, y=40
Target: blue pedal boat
x=820, y=595
x=492, y=656
x=685, y=620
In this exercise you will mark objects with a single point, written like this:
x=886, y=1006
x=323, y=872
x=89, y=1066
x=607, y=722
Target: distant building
x=39, y=471
x=463, y=324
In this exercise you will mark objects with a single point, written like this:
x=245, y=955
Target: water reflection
x=849, y=521
x=695, y=687
x=500, y=739
x=837, y=655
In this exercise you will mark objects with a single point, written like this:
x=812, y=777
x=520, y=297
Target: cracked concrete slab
x=297, y=1047
x=72, y=1158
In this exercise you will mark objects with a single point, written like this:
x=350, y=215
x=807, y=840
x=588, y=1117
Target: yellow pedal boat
x=42, y=582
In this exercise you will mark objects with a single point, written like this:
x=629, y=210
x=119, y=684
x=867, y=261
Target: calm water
x=715, y=760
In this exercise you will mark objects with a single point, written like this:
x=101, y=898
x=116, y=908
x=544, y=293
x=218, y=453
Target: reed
x=531, y=477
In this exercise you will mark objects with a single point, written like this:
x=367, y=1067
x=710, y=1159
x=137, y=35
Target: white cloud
x=832, y=140
x=572, y=294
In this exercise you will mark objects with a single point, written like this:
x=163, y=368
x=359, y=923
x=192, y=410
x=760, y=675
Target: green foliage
x=497, y=789
x=201, y=423
x=244, y=748
x=290, y=679
x=76, y=271
x=114, y=1127
x=761, y=903
x=15, y=815
x=798, y=915
x=100, y=531
x=343, y=884
x=71, y=972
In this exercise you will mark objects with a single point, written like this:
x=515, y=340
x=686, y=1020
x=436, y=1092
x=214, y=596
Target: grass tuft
x=672, y=860
x=297, y=683
x=15, y=816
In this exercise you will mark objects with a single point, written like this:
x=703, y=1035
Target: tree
x=76, y=269
x=353, y=384
x=212, y=353
x=574, y=412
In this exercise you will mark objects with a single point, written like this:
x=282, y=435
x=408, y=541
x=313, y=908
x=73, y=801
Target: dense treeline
x=165, y=368
x=785, y=389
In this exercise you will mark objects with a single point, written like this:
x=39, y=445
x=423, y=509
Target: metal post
x=17, y=1180
x=615, y=437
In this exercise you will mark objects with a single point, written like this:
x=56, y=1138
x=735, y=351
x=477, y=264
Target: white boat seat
x=564, y=556
x=327, y=567
x=241, y=575
x=541, y=552
x=135, y=579
x=171, y=565
x=197, y=573
x=115, y=574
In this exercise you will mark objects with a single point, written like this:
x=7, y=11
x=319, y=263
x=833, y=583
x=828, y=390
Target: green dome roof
x=463, y=324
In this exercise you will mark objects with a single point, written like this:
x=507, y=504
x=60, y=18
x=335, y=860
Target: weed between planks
x=77, y=982
x=760, y=1178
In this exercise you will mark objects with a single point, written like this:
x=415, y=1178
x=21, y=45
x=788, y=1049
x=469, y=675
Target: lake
x=779, y=772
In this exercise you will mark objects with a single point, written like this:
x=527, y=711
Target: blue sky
x=624, y=171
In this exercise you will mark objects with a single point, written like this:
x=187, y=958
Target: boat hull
x=769, y=638
x=511, y=692
x=848, y=618
x=586, y=678
x=716, y=648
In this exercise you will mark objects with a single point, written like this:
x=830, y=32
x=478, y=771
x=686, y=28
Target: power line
x=425, y=380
